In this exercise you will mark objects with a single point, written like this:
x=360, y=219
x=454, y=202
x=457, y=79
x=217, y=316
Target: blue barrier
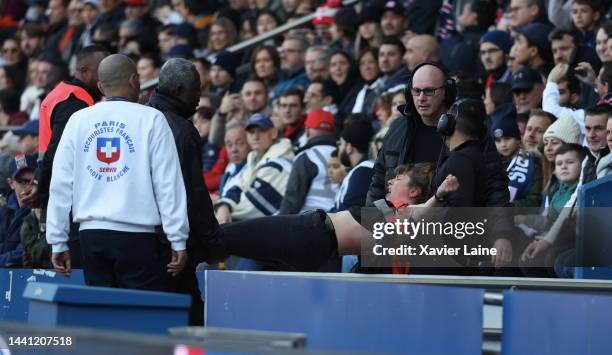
x=347, y=315
x=547, y=323
x=106, y=308
x=593, y=242
x=13, y=282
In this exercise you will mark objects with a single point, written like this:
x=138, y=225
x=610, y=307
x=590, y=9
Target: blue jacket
x=11, y=219
x=297, y=79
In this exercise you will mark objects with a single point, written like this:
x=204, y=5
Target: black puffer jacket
x=398, y=148
x=203, y=225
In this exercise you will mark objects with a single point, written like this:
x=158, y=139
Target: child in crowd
x=336, y=172
x=585, y=16
x=523, y=166
x=568, y=162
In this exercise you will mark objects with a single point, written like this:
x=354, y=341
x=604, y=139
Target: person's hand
x=558, y=72
x=176, y=265
x=224, y=215
x=229, y=103
x=589, y=77
x=504, y=253
x=61, y=263
x=449, y=184
x=31, y=197
x=536, y=247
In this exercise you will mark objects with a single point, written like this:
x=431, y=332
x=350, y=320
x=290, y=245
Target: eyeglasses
x=424, y=91
x=489, y=51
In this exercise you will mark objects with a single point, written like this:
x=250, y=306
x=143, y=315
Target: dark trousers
x=124, y=260
x=303, y=242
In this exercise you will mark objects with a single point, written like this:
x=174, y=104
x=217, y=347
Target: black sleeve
x=423, y=16
x=201, y=216
x=59, y=119
x=377, y=185
x=300, y=179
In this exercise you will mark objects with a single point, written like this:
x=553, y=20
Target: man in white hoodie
x=117, y=169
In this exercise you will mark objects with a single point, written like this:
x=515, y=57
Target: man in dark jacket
x=309, y=187
x=177, y=96
x=12, y=214
x=413, y=139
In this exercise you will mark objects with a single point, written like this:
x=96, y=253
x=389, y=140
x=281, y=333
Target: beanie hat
x=565, y=129
x=320, y=119
x=506, y=127
x=499, y=38
x=228, y=61
x=358, y=134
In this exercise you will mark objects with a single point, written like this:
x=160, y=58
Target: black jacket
x=303, y=172
x=398, y=148
x=59, y=118
x=460, y=53
x=203, y=225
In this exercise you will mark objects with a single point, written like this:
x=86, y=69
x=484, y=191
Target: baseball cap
x=396, y=7
x=525, y=79
x=29, y=128
x=259, y=120
x=537, y=34
x=320, y=119
x=21, y=163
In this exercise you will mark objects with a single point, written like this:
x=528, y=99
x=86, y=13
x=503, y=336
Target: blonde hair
x=230, y=32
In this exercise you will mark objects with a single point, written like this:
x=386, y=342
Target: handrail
x=252, y=42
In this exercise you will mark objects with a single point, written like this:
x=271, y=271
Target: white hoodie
x=117, y=168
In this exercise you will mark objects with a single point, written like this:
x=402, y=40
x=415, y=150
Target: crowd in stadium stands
x=321, y=116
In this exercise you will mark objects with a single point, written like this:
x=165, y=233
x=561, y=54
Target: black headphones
x=450, y=87
x=448, y=121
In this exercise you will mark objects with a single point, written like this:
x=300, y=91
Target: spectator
x=36, y=250
x=343, y=30
x=90, y=13
x=538, y=123
x=420, y=48
x=531, y=47
x=353, y=154
x=316, y=63
x=14, y=58
x=523, y=167
x=393, y=21
x=12, y=214
x=604, y=167
x=222, y=35
x=562, y=94
x=308, y=187
x=127, y=253
x=203, y=67
x=563, y=44
x=237, y=150
x=265, y=65
x=32, y=39
x=585, y=16
x=369, y=34
x=320, y=95
x=336, y=172
x=194, y=12
x=525, y=12
x=292, y=57
x=138, y=11
x=112, y=13
x=265, y=177
x=9, y=109
x=63, y=42
x=563, y=131
x=373, y=82
x=601, y=42
x=387, y=112
x=527, y=90
x=166, y=38
x=292, y=116
x=460, y=51
x=7, y=79
x=266, y=21
x=494, y=49
x=208, y=152
x=148, y=67
x=567, y=171
x=254, y=96
x=223, y=72
x=498, y=94
x=343, y=73
x=322, y=21
x=390, y=62
x=28, y=138
x=58, y=16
